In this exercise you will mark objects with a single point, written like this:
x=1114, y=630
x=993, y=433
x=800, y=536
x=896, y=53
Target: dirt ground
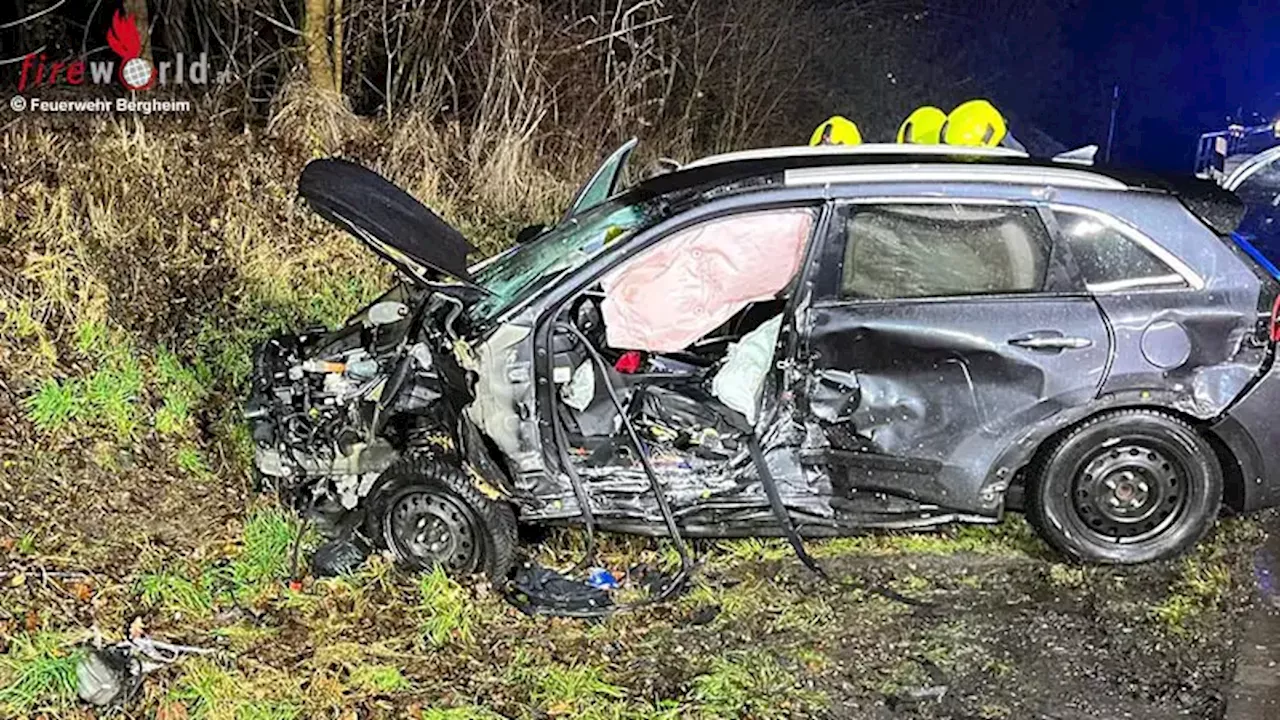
x=1003, y=631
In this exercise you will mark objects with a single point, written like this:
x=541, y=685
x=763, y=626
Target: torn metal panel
x=503, y=405
x=942, y=387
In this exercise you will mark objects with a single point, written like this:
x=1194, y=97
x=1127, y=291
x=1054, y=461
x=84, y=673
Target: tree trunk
x=315, y=34
x=337, y=46
x=138, y=9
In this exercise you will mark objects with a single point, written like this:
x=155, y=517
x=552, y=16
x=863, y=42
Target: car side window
x=942, y=250
x=1108, y=259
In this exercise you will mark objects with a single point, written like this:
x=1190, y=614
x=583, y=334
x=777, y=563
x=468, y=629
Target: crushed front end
x=331, y=411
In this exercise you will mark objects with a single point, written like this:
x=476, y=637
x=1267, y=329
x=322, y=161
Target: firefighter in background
x=923, y=127
x=836, y=130
x=977, y=123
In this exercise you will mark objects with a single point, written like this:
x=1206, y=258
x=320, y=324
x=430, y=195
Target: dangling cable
x=686, y=561
x=779, y=510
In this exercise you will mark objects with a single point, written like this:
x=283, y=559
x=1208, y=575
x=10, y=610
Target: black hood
x=397, y=227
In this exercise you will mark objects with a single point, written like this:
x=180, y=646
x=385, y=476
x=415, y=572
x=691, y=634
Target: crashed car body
x=805, y=340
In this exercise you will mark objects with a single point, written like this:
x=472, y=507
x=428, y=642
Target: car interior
x=690, y=402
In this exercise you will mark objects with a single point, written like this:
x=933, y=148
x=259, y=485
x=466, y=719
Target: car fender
x=1019, y=454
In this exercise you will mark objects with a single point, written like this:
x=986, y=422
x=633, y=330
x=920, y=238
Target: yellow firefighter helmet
x=975, y=123
x=836, y=130
x=924, y=126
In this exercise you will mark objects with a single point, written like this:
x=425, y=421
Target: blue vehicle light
x=1256, y=254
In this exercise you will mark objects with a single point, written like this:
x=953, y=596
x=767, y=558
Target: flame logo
x=123, y=36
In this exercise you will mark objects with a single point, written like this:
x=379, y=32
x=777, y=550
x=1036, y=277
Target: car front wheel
x=1124, y=487
x=428, y=514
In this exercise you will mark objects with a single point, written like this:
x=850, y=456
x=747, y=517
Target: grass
x=262, y=558
x=212, y=692
x=1202, y=585
x=464, y=712
x=108, y=399
x=111, y=396
x=54, y=404
x=1204, y=579
x=579, y=690
x=37, y=674
x=176, y=594
x=181, y=388
x=383, y=679
x=266, y=552
x=446, y=608
x=1012, y=537
x=189, y=459
x=752, y=683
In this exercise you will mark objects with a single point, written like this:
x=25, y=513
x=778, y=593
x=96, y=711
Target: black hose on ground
x=797, y=543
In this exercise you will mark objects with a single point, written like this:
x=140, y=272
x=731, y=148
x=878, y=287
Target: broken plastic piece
x=628, y=363
x=111, y=675
x=602, y=579
x=107, y=676
x=581, y=389
x=738, y=383
x=339, y=557
x=691, y=283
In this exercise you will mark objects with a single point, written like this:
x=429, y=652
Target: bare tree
x=320, y=52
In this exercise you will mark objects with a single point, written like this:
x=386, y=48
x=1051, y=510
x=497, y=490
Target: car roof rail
x=866, y=149
x=952, y=172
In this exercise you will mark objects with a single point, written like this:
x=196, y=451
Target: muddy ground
x=1002, y=630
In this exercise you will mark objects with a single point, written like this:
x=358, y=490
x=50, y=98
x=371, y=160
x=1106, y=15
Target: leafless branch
x=33, y=16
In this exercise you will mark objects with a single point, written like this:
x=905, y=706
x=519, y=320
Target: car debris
x=762, y=344
x=110, y=675
x=539, y=590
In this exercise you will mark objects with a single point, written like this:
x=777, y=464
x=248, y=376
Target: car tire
x=1125, y=487
x=428, y=514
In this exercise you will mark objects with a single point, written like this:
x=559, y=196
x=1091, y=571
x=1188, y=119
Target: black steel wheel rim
x=1130, y=491
x=427, y=529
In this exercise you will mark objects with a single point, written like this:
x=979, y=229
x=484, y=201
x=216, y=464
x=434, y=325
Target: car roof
x=885, y=162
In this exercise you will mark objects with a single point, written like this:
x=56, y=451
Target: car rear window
x=1108, y=259
x=941, y=250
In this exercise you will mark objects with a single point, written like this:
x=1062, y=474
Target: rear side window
x=928, y=250
x=1108, y=259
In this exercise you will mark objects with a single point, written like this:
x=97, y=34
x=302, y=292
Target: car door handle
x=1051, y=342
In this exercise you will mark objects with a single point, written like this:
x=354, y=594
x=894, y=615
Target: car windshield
x=520, y=273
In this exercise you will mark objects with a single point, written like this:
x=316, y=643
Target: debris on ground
x=110, y=675
x=539, y=590
x=339, y=556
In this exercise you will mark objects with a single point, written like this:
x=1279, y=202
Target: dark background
x=1183, y=66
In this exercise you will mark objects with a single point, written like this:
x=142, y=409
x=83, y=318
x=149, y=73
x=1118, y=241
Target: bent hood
x=394, y=225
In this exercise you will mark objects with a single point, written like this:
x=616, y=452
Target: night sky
x=1183, y=67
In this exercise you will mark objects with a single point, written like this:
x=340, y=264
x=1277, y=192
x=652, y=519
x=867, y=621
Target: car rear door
x=940, y=330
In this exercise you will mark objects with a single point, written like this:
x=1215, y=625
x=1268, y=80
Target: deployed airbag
x=738, y=383
x=691, y=283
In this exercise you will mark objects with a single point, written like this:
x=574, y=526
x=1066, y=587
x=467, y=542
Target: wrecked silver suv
x=801, y=342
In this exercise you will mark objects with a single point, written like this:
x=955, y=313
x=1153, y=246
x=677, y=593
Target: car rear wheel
x=428, y=514
x=1128, y=486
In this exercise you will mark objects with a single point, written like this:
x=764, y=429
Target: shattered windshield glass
x=522, y=272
